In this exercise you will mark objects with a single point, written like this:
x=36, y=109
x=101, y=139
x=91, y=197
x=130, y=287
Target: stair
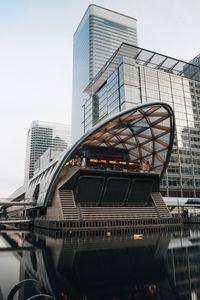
x=68, y=204
x=118, y=213
x=162, y=209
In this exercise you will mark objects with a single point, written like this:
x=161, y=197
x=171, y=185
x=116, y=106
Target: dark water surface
x=146, y=266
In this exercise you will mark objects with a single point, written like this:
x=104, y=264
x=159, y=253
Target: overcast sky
x=36, y=44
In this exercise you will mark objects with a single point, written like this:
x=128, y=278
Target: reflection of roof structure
x=146, y=133
x=147, y=58
x=95, y=268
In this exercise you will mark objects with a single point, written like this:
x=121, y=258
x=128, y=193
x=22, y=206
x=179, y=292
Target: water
x=134, y=266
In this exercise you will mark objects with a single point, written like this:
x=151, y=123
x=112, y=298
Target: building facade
x=99, y=34
x=41, y=136
x=134, y=75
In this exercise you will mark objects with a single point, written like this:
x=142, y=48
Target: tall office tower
x=99, y=34
x=41, y=136
x=134, y=76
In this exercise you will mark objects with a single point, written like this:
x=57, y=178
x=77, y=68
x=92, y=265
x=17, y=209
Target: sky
x=36, y=53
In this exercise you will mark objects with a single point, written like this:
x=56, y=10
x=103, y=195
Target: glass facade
x=41, y=136
x=183, y=267
x=132, y=83
x=97, y=37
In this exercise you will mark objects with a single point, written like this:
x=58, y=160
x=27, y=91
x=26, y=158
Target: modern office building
x=99, y=34
x=41, y=136
x=134, y=75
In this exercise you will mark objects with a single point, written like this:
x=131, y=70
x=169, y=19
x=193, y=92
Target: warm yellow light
x=131, y=164
x=103, y=161
x=108, y=233
x=152, y=288
x=93, y=160
x=122, y=162
x=138, y=236
x=112, y=162
x=68, y=163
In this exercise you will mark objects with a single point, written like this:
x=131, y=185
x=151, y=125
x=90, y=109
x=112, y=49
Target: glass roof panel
x=157, y=162
x=157, y=131
x=134, y=118
x=120, y=146
x=161, y=110
x=146, y=109
x=141, y=123
x=141, y=139
x=119, y=126
x=114, y=139
x=144, y=152
x=153, y=118
x=112, y=143
x=149, y=145
x=165, y=138
x=132, y=140
x=149, y=158
x=135, y=151
x=165, y=122
x=128, y=146
x=158, y=146
x=163, y=154
x=127, y=130
x=157, y=59
x=144, y=55
x=137, y=130
x=169, y=62
x=147, y=132
x=104, y=145
x=135, y=113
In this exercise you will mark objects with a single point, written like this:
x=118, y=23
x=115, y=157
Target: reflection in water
x=149, y=266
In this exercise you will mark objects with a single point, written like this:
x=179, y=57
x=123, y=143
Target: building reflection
x=146, y=266
x=183, y=259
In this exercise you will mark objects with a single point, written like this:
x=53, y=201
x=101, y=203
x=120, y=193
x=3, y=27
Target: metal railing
x=29, y=282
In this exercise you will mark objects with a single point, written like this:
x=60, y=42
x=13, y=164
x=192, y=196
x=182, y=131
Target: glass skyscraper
x=41, y=136
x=134, y=75
x=99, y=34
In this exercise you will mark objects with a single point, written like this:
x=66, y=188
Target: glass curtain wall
x=131, y=84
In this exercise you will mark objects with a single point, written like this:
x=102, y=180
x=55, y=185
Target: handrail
x=22, y=284
x=93, y=217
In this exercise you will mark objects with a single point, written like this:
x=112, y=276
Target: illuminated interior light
x=131, y=164
x=103, y=161
x=138, y=236
x=122, y=162
x=112, y=162
x=68, y=163
x=94, y=160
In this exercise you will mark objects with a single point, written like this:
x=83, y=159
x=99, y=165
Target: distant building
x=46, y=158
x=99, y=34
x=41, y=136
x=136, y=76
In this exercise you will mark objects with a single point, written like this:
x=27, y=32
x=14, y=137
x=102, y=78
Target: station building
x=110, y=177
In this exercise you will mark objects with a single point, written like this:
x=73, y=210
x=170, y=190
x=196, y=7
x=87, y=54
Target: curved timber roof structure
x=145, y=131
